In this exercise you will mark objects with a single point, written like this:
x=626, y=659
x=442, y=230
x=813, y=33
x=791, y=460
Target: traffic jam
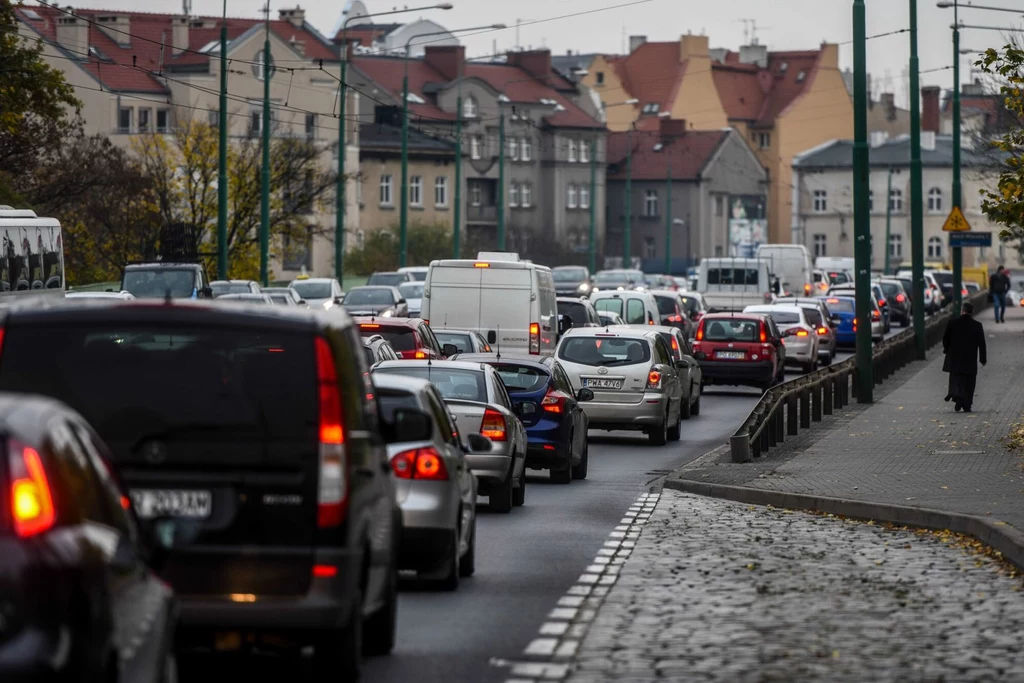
x=217, y=467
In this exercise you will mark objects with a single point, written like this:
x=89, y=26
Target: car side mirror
x=449, y=350
x=527, y=408
x=302, y=302
x=478, y=443
x=339, y=300
x=491, y=337
x=207, y=292
x=585, y=395
x=409, y=424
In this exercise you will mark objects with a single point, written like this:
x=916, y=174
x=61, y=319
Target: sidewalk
x=909, y=447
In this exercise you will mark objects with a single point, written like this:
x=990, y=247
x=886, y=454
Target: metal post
x=888, y=220
x=627, y=232
x=805, y=409
x=816, y=402
x=222, y=159
x=501, y=177
x=457, y=209
x=593, y=206
x=916, y=191
x=339, y=193
x=791, y=427
x=403, y=216
x=265, y=194
x=668, y=221
x=958, y=260
x=861, y=219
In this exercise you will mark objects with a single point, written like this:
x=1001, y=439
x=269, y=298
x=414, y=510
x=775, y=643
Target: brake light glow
x=875, y=315
x=324, y=571
x=822, y=330
x=675, y=344
x=700, y=331
x=368, y=326
x=801, y=333
x=333, y=492
x=653, y=379
x=481, y=265
x=900, y=298
x=807, y=289
x=420, y=355
x=554, y=401
x=534, y=339
x=31, y=498
x=764, y=333
x=420, y=463
x=493, y=426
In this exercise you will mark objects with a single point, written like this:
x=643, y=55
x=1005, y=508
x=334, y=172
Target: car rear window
x=522, y=378
x=230, y=288
x=813, y=316
x=605, y=351
x=785, y=317
x=455, y=383
x=313, y=290
x=578, y=312
x=891, y=289
x=388, y=279
x=732, y=330
x=368, y=355
x=461, y=342
x=159, y=282
x=838, y=277
x=377, y=296
x=732, y=276
x=391, y=400
x=635, y=313
x=690, y=304
x=840, y=305
x=667, y=304
x=400, y=338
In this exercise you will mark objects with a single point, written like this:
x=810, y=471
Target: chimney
x=73, y=32
x=296, y=17
x=115, y=27
x=635, y=42
x=179, y=34
x=754, y=54
x=888, y=102
x=694, y=47
x=446, y=60
x=537, y=63
x=671, y=128
x=930, y=108
x=975, y=88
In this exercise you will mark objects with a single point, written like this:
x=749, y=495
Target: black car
x=898, y=301
x=376, y=301
x=380, y=279
x=77, y=599
x=571, y=280
x=556, y=430
x=580, y=311
x=252, y=437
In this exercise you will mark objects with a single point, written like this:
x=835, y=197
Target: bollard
x=837, y=393
x=791, y=414
x=763, y=447
x=827, y=395
x=805, y=408
x=772, y=436
x=780, y=423
x=740, y=446
x=816, y=403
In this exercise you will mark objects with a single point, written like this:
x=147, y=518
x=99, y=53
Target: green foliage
x=426, y=242
x=1006, y=205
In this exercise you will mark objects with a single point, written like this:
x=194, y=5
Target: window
x=297, y=249
x=584, y=152
x=441, y=191
x=385, y=190
x=719, y=205
x=935, y=200
x=571, y=198
x=526, y=195
x=572, y=151
x=213, y=118
x=896, y=246
x=820, y=245
x=527, y=149
x=310, y=126
x=651, y=203
x=650, y=108
x=636, y=312
x=416, y=190
x=600, y=78
x=650, y=247
x=896, y=201
x=475, y=195
x=513, y=194
x=935, y=248
x=258, y=66
x=474, y=147
x=820, y=201
x=124, y=120
x=764, y=140
x=145, y=116
x=255, y=121
x=513, y=149
x=584, y=197
x=469, y=108
x=162, y=120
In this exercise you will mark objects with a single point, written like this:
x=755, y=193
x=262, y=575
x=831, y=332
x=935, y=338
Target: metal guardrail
x=788, y=407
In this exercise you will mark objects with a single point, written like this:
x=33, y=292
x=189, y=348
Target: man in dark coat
x=964, y=344
x=998, y=286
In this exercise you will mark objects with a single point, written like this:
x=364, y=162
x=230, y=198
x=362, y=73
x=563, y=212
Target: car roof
x=247, y=296
x=440, y=364
x=663, y=292
x=799, y=300
x=638, y=332
x=394, y=381
x=393, y=289
x=661, y=329
x=362, y=320
x=413, y=269
x=768, y=308
x=313, y=279
x=452, y=330
x=730, y=316
x=488, y=358
x=571, y=300
x=162, y=264
x=232, y=282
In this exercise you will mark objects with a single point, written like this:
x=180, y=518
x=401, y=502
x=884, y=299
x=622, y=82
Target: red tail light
x=324, y=571
x=764, y=333
x=494, y=427
x=534, y=339
x=675, y=344
x=900, y=298
x=654, y=379
x=802, y=333
x=420, y=463
x=31, y=499
x=554, y=401
x=807, y=289
x=822, y=330
x=333, y=493
x=420, y=355
x=700, y=331
x=875, y=315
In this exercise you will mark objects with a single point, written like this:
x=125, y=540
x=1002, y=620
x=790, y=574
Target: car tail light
x=802, y=333
x=420, y=355
x=420, y=463
x=764, y=333
x=494, y=427
x=700, y=331
x=807, y=289
x=554, y=401
x=324, y=571
x=534, y=338
x=875, y=315
x=675, y=344
x=332, y=497
x=822, y=330
x=369, y=326
x=31, y=499
x=900, y=298
x=654, y=380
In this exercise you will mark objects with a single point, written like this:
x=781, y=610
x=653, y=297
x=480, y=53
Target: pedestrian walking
x=964, y=344
x=998, y=286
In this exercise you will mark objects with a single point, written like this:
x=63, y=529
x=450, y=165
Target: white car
x=635, y=307
x=123, y=296
x=418, y=272
x=799, y=336
x=413, y=294
x=319, y=292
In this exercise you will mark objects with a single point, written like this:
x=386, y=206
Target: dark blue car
x=846, y=308
x=556, y=426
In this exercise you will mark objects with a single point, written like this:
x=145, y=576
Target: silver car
x=799, y=335
x=476, y=397
x=434, y=486
x=820, y=318
x=635, y=383
x=466, y=341
x=690, y=375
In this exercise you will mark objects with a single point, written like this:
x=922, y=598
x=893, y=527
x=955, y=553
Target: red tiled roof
x=688, y=154
x=150, y=34
x=387, y=72
x=751, y=93
x=651, y=73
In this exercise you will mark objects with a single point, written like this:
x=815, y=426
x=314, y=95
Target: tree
x=426, y=242
x=1006, y=204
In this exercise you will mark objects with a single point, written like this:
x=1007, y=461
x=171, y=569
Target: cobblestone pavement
x=722, y=591
x=909, y=447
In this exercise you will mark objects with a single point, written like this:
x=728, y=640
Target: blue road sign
x=970, y=239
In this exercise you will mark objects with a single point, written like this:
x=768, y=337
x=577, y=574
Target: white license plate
x=731, y=355
x=150, y=503
x=603, y=383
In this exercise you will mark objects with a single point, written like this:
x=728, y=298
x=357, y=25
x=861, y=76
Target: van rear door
x=452, y=297
x=506, y=301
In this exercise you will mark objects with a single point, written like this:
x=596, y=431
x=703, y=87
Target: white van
x=791, y=266
x=32, y=256
x=732, y=284
x=508, y=301
x=635, y=307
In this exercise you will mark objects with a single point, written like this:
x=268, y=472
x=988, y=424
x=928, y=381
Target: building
x=718, y=187
x=781, y=102
x=883, y=114
x=982, y=113
x=139, y=73
x=366, y=37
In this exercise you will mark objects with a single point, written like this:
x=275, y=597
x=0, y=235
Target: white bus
x=32, y=254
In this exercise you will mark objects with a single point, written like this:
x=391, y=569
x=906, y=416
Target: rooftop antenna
x=186, y=8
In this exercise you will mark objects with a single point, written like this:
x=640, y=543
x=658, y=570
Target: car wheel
x=675, y=432
x=659, y=434
x=827, y=361
x=563, y=476
x=695, y=410
x=519, y=494
x=580, y=471
x=500, y=499
x=467, y=567
x=337, y=653
x=450, y=582
x=807, y=367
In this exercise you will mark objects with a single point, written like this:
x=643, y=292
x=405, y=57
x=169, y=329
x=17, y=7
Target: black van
x=248, y=438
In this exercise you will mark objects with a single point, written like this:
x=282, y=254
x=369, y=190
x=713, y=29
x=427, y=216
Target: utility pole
x=339, y=192
x=457, y=212
x=916, y=192
x=668, y=221
x=501, y=176
x=958, y=258
x=265, y=194
x=627, y=232
x=888, y=220
x=222, y=157
x=593, y=204
x=861, y=217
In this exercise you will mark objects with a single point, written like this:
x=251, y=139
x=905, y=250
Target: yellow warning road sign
x=956, y=222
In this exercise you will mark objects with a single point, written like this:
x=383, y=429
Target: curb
x=998, y=535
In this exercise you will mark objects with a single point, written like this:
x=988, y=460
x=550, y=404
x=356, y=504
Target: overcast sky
x=604, y=26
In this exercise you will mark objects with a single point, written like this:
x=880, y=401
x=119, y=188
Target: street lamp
x=339, y=222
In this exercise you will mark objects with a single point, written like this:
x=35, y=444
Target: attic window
x=211, y=47
x=31, y=14
x=414, y=98
x=650, y=108
x=658, y=147
x=801, y=76
x=784, y=67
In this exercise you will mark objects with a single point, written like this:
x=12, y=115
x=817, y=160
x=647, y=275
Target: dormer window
x=650, y=108
x=469, y=108
x=801, y=76
x=413, y=98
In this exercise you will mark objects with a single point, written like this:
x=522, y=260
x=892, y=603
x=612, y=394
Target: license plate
x=731, y=355
x=151, y=503
x=603, y=383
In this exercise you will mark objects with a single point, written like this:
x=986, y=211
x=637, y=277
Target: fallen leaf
x=944, y=487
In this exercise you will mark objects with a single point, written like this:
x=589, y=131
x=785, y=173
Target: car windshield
x=400, y=338
x=569, y=274
x=282, y=299
x=667, y=304
x=388, y=279
x=222, y=288
x=891, y=289
x=411, y=290
x=732, y=330
x=838, y=277
x=944, y=279
x=605, y=351
x=839, y=305
x=690, y=303
x=180, y=283
x=576, y=311
x=376, y=296
x=312, y=290
x=459, y=340
x=521, y=379
x=453, y=383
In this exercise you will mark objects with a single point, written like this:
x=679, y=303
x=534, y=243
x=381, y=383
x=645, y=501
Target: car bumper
x=798, y=354
x=490, y=468
x=425, y=548
x=649, y=412
x=427, y=504
x=546, y=445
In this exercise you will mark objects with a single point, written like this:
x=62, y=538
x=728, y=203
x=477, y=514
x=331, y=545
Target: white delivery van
x=791, y=266
x=508, y=301
x=732, y=284
x=835, y=263
x=32, y=258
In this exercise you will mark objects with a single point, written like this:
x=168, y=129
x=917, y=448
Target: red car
x=740, y=349
x=411, y=338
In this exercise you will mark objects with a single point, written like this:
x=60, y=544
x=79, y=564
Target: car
x=435, y=488
x=878, y=326
x=798, y=334
x=635, y=307
x=412, y=292
x=898, y=300
x=843, y=309
x=464, y=341
x=580, y=311
x=837, y=277
x=319, y=292
x=617, y=280
x=285, y=296
x=944, y=279
x=571, y=281
x=411, y=338
x=390, y=279
x=556, y=424
x=419, y=273
x=281, y=514
x=690, y=375
x=377, y=349
x=166, y=280
x=740, y=350
x=122, y=296
x=608, y=318
x=877, y=296
x=635, y=383
x=476, y=396
x=821, y=281
x=671, y=309
x=80, y=602
x=662, y=282
x=222, y=287
x=376, y=301
x=823, y=321
x=252, y=299
x=694, y=307
x=791, y=265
